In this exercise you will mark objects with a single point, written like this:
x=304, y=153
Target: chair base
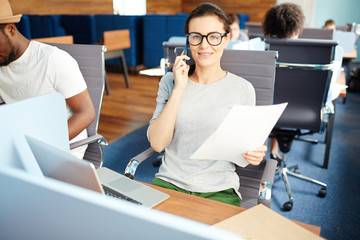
x=285, y=171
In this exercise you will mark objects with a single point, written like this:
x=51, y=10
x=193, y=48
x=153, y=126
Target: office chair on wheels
x=258, y=67
x=303, y=74
x=92, y=65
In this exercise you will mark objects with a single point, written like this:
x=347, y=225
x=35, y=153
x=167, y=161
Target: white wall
x=129, y=7
x=308, y=7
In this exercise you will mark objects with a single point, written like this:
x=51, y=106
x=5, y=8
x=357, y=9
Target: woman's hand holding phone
x=180, y=71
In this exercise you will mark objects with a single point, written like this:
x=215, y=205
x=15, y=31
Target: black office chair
x=316, y=33
x=258, y=67
x=91, y=63
x=303, y=74
x=254, y=29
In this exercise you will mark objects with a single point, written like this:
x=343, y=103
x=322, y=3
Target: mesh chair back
x=258, y=67
x=91, y=63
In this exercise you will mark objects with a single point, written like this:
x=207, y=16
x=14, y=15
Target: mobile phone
x=186, y=47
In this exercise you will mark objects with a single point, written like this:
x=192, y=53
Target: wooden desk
x=69, y=39
x=347, y=58
x=341, y=80
x=205, y=210
x=350, y=55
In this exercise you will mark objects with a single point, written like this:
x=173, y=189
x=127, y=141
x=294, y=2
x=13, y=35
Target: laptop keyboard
x=112, y=193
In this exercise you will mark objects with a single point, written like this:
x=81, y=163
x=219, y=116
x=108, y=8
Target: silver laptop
x=61, y=165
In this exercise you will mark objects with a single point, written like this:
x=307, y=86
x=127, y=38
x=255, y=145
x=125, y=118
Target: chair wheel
x=288, y=206
x=322, y=192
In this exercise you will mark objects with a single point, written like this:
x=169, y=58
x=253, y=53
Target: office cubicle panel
x=35, y=208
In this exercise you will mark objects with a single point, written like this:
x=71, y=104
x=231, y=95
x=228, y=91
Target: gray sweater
x=202, y=109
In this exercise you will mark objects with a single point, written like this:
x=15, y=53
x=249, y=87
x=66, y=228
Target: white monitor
x=42, y=117
x=346, y=40
x=44, y=208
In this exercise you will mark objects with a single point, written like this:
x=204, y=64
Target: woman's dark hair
x=206, y=9
x=282, y=21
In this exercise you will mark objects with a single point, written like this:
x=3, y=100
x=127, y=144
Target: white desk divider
x=41, y=117
x=43, y=208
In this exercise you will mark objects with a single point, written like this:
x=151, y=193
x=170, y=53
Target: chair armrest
x=267, y=181
x=94, y=138
x=135, y=161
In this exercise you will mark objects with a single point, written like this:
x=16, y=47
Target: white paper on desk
x=153, y=72
x=335, y=90
x=243, y=129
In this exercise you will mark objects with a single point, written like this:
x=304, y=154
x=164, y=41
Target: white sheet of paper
x=153, y=72
x=243, y=129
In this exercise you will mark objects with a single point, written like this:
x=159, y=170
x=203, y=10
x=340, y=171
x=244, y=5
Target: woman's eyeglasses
x=213, y=38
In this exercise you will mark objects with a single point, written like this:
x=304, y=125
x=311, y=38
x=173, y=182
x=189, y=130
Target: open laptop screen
x=63, y=166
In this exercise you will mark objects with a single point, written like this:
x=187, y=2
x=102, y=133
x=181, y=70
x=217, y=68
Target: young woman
x=190, y=107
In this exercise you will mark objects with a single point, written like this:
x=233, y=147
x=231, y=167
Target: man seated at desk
x=238, y=38
x=30, y=68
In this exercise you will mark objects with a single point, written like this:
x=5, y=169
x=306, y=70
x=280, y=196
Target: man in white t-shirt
x=29, y=69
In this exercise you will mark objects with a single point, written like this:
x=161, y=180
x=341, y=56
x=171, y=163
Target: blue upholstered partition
x=157, y=29
x=243, y=19
x=107, y=22
x=81, y=27
x=147, y=33
x=46, y=26
x=24, y=26
x=176, y=24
